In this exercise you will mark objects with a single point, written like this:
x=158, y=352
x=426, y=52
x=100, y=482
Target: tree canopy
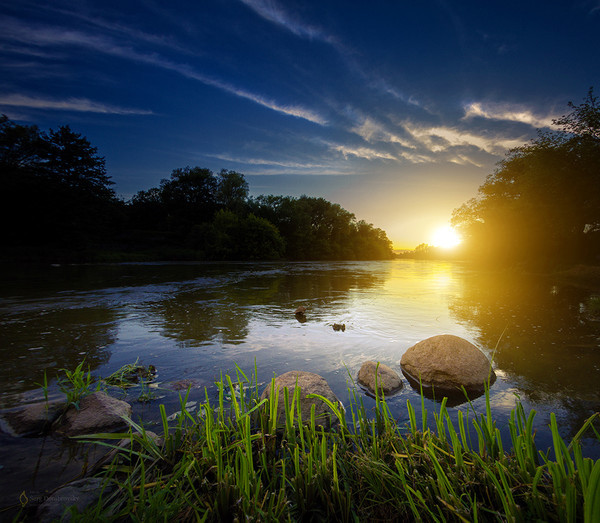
x=56, y=195
x=54, y=187
x=542, y=204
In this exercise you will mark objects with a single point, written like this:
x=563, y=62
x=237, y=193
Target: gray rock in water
x=97, y=412
x=124, y=445
x=80, y=494
x=447, y=362
x=388, y=379
x=309, y=383
x=34, y=419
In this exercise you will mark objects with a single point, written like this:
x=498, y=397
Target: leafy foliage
x=543, y=201
x=55, y=190
x=57, y=186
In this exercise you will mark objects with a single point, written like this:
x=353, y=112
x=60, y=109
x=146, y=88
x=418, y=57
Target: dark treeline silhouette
x=542, y=204
x=57, y=202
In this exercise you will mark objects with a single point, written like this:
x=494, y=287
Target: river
x=197, y=321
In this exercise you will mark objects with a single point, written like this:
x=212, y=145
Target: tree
x=232, y=190
x=21, y=147
x=55, y=190
x=543, y=201
x=74, y=163
x=189, y=197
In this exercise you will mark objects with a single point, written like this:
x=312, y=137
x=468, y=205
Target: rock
x=123, y=445
x=97, y=412
x=81, y=494
x=300, y=311
x=388, y=379
x=339, y=327
x=33, y=420
x=309, y=383
x=447, y=362
x=183, y=384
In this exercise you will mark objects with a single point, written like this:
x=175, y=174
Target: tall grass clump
x=233, y=460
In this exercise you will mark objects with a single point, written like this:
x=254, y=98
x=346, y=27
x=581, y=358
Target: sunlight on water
x=196, y=321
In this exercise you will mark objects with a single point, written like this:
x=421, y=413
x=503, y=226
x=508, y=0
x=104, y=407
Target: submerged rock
x=97, y=412
x=35, y=419
x=447, y=362
x=80, y=494
x=339, y=327
x=309, y=383
x=388, y=380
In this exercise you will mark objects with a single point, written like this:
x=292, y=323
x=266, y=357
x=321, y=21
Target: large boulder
x=309, y=383
x=447, y=363
x=97, y=412
x=388, y=380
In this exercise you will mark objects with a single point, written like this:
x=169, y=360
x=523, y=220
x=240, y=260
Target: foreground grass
x=234, y=460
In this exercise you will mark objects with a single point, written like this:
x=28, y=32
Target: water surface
x=196, y=321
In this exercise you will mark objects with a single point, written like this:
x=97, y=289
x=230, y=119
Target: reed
x=234, y=460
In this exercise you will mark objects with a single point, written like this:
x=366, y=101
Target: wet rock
x=33, y=420
x=300, y=314
x=388, y=380
x=80, y=494
x=97, y=412
x=300, y=311
x=309, y=383
x=183, y=384
x=339, y=327
x=447, y=362
x=124, y=444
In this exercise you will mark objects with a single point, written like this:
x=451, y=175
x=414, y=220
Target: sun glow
x=445, y=237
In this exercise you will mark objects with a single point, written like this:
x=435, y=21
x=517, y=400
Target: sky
x=396, y=110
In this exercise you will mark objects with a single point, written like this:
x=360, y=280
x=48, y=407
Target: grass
x=233, y=460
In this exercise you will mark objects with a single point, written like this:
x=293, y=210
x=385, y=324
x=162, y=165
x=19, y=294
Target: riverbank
x=235, y=459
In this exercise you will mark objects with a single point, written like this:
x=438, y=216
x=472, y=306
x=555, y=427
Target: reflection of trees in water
x=52, y=340
x=222, y=312
x=551, y=346
x=193, y=321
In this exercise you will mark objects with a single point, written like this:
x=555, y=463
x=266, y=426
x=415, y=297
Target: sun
x=445, y=237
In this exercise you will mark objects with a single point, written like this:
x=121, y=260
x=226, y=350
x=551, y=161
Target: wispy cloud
x=264, y=161
x=366, y=153
x=273, y=12
x=506, y=112
x=371, y=130
x=52, y=36
x=69, y=104
x=439, y=139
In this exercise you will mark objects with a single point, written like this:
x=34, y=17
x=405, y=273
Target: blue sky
x=395, y=110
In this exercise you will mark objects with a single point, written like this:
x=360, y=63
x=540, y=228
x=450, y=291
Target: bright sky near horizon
x=395, y=110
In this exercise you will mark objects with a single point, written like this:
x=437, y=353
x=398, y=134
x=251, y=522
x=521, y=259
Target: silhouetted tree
x=55, y=190
x=542, y=204
x=232, y=191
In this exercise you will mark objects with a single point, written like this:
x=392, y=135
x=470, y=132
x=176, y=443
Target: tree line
x=57, y=200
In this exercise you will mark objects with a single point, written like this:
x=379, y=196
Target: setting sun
x=445, y=237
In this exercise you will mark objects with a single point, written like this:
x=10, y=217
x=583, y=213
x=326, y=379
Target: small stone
x=388, y=380
x=300, y=311
x=339, y=327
